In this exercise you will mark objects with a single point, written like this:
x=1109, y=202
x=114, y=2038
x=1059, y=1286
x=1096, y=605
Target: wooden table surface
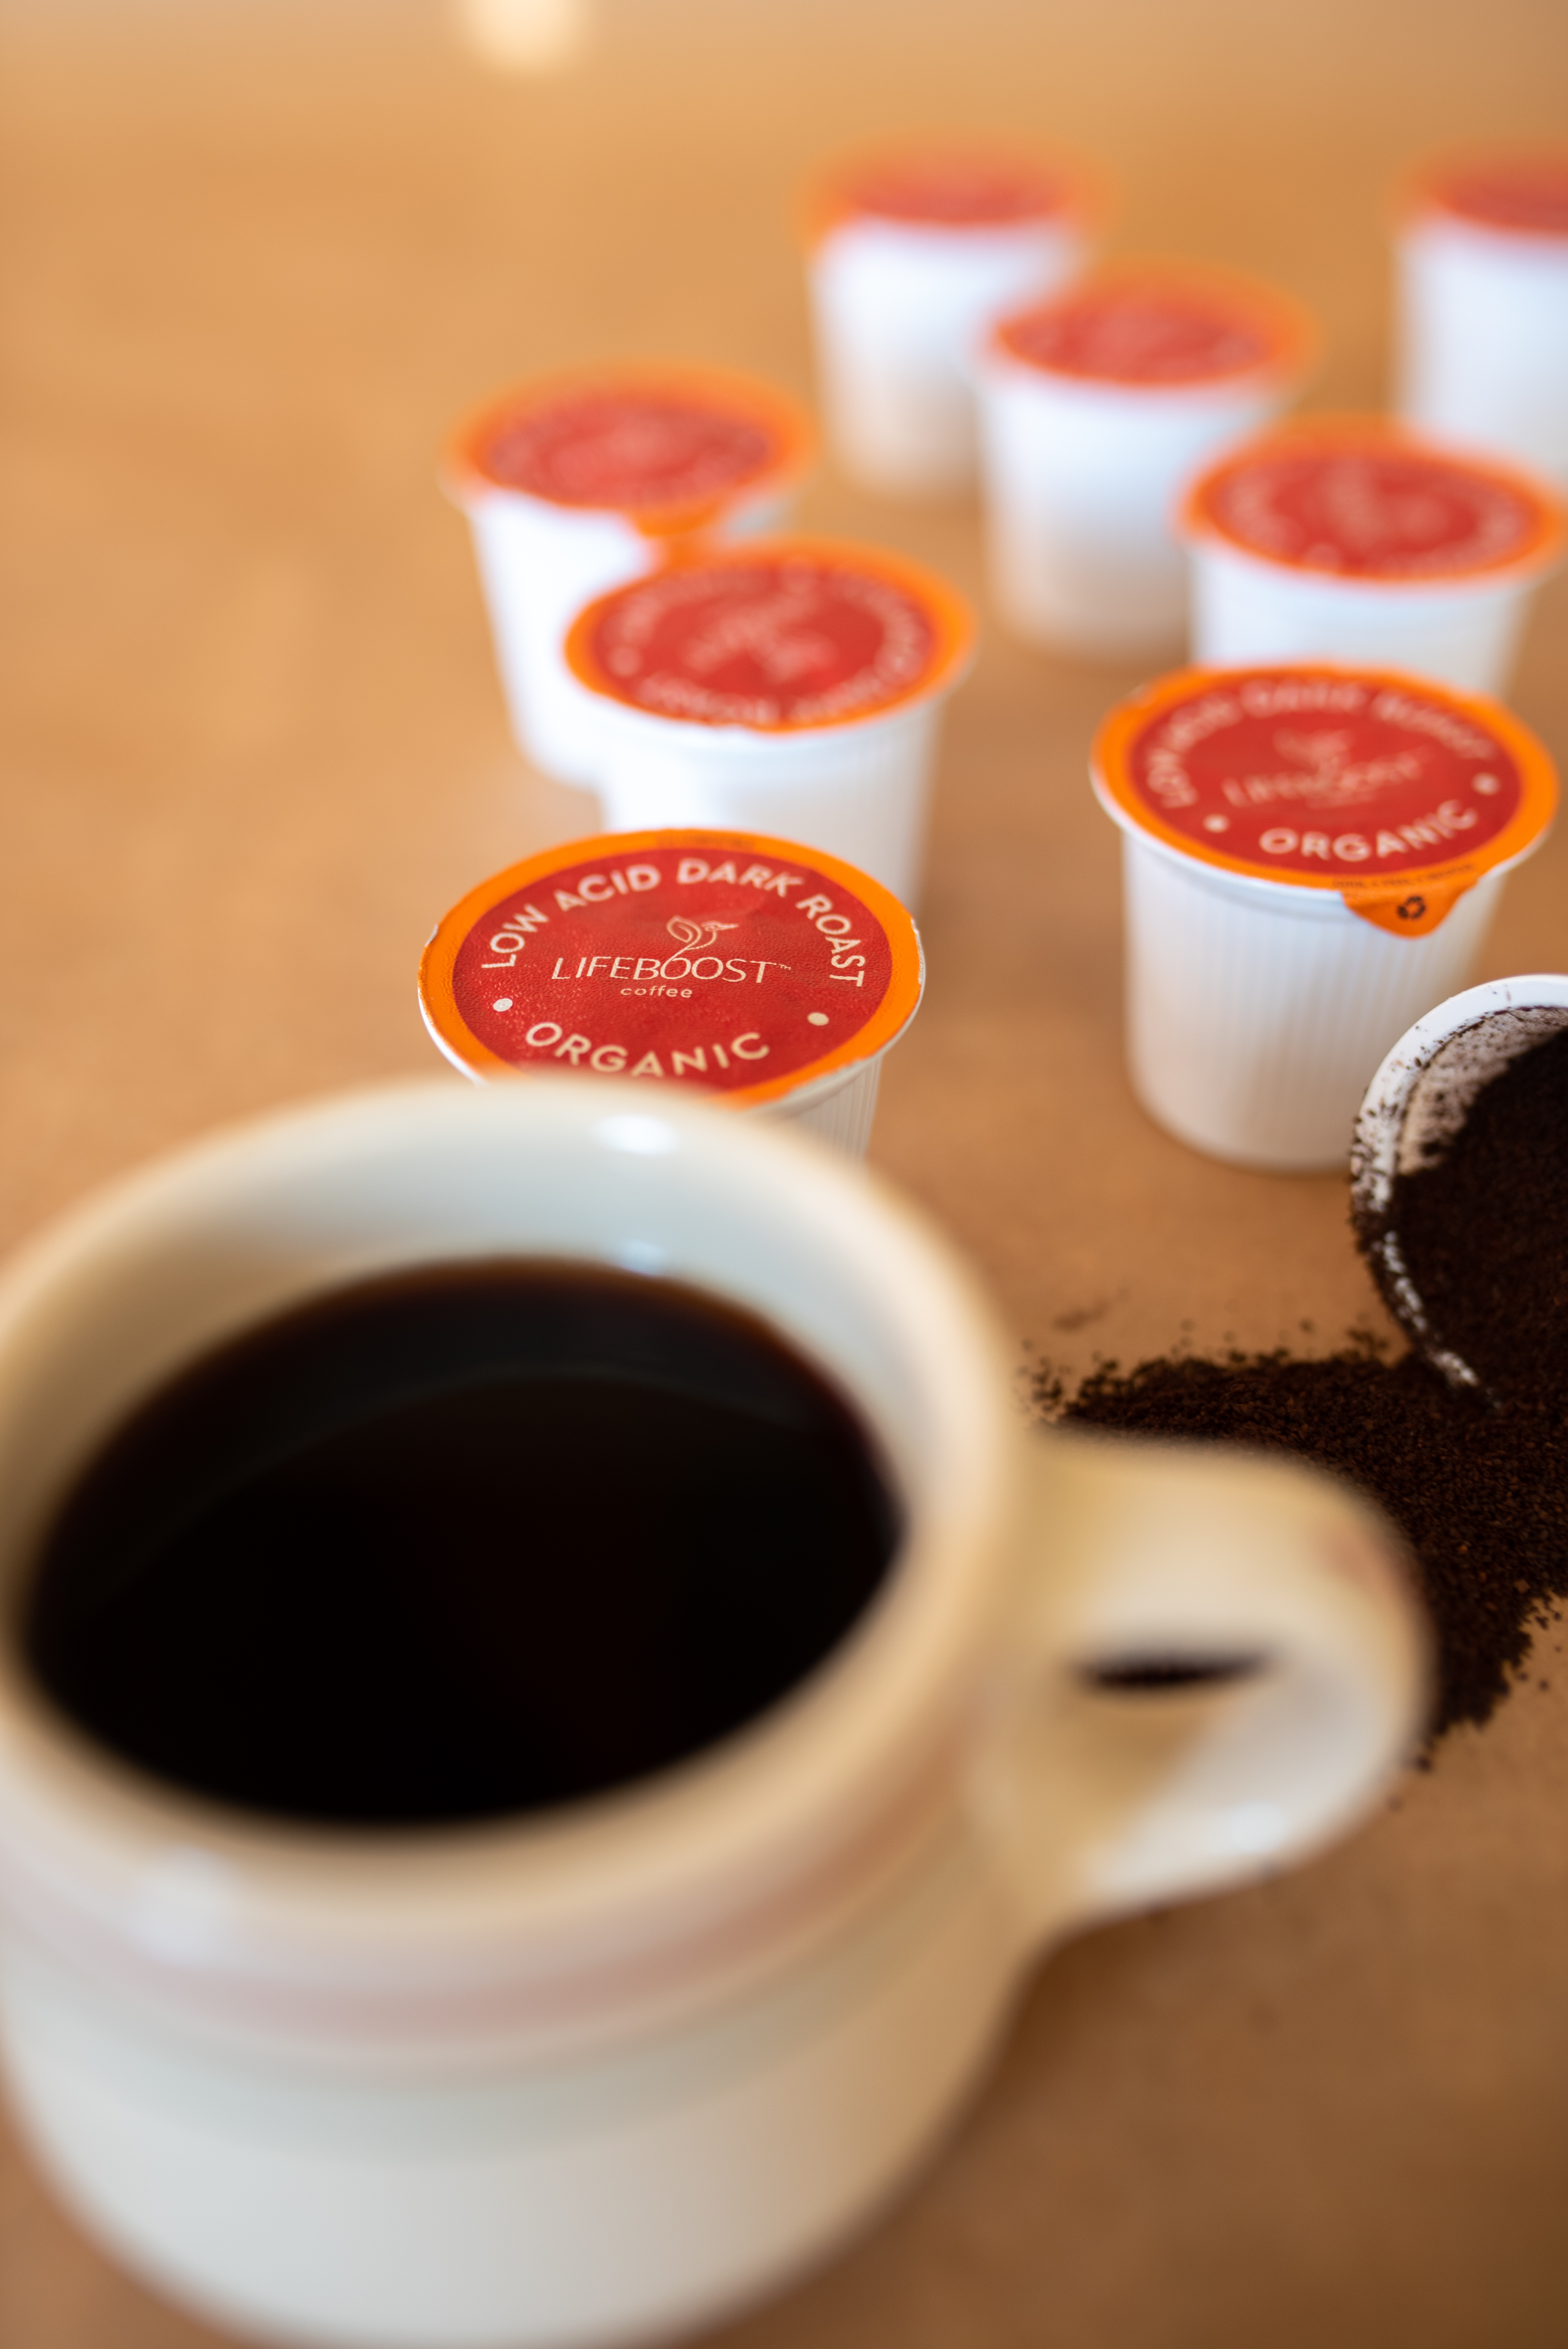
x=256, y=256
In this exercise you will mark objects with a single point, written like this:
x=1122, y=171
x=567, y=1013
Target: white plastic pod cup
x=1415, y=1105
x=1096, y=410
x=772, y=979
x=596, y=2074
x=1310, y=856
x=575, y=483
x=1482, y=260
x=793, y=686
x=1350, y=539
x=910, y=256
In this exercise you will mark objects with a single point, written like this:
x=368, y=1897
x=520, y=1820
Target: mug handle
x=1217, y=1666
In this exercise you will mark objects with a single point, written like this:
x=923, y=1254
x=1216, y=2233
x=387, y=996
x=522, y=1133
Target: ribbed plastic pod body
x=1246, y=612
x=1483, y=338
x=898, y=310
x=1256, y=1013
x=859, y=792
x=1082, y=482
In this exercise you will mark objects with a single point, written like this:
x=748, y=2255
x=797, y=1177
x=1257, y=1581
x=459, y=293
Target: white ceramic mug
x=592, y=2075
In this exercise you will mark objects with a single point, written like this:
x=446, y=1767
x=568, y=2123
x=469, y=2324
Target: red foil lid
x=949, y=187
x=1394, y=791
x=1158, y=327
x=742, y=965
x=1362, y=499
x=1513, y=195
x=778, y=636
x=669, y=449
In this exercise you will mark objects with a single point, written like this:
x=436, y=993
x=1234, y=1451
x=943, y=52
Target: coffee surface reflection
x=459, y=1543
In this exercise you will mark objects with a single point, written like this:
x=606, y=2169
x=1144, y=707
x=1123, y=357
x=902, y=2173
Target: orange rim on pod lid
x=669, y=449
x=1521, y=195
x=776, y=637
x=958, y=186
x=1160, y=326
x=1395, y=793
x=1358, y=499
x=745, y=967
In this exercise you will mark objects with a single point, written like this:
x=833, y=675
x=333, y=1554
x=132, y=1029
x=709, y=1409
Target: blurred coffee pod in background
x=576, y=482
x=527, y=36
x=792, y=685
x=911, y=252
x=1482, y=259
x=770, y=978
x=1096, y=408
x=1311, y=858
x=1348, y=538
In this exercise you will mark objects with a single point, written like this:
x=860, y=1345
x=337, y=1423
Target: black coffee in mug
x=459, y=1543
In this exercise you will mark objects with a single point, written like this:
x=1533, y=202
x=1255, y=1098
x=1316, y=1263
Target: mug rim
x=561, y=1919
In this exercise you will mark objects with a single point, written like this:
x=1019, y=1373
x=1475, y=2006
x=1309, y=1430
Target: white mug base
x=612, y=2201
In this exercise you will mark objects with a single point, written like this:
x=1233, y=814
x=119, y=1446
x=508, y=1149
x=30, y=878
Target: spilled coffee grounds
x=1476, y=1478
x=1480, y=1496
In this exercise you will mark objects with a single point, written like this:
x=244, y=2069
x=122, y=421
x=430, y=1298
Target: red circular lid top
x=772, y=638
x=1522, y=195
x=1371, y=503
x=1361, y=782
x=640, y=443
x=741, y=965
x=1155, y=330
x=950, y=187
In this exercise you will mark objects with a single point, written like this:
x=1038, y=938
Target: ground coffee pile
x=1475, y=1480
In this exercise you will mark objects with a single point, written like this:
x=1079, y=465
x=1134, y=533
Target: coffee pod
x=1345, y=538
x=910, y=254
x=1096, y=409
x=772, y=979
x=1482, y=254
x=1417, y=1106
x=576, y=482
x=1310, y=856
x=792, y=686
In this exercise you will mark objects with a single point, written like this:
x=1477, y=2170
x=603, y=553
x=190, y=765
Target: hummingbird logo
x=697, y=937
x=1328, y=755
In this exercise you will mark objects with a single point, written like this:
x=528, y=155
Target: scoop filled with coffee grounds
x=1465, y=1442
x=1460, y=1188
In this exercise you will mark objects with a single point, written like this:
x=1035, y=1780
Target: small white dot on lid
x=817, y=1019
x=1487, y=785
x=501, y=1003
x=1216, y=824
